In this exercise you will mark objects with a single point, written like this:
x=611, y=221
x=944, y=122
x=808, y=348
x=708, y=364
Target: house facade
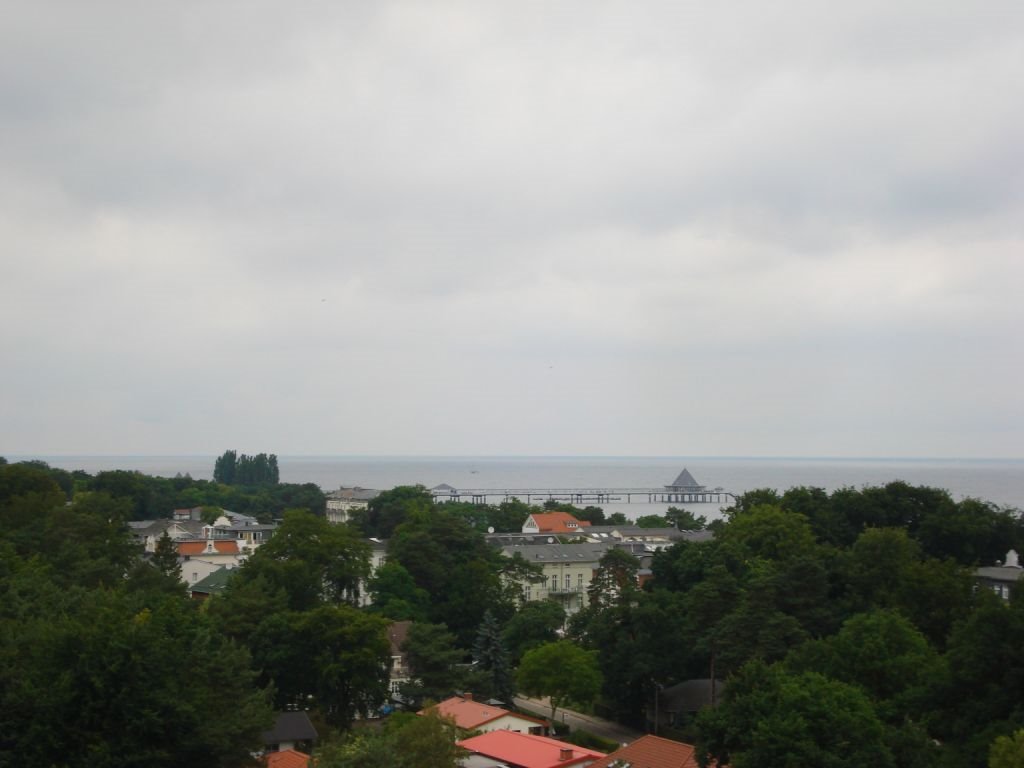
x=568, y=571
x=342, y=502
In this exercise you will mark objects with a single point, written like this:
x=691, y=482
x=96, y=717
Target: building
x=568, y=570
x=200, y=559
x=291, y=731
x=651, y=752
x=558, y=523
x=1001, y=578
x=342, y=502
x=525, y=750
x=471, y=715
x=399, y=673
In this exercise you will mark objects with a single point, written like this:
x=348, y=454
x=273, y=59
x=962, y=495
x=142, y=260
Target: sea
x=1000, y=481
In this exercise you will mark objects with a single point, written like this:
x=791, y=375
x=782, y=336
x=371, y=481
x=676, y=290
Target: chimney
x=467, y=696
x=564, y=754
x=1012, y=560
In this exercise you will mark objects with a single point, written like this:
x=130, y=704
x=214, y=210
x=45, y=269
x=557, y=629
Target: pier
x=684, y=490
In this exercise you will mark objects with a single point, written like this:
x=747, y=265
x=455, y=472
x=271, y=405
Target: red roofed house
x=524, y=750
x=201, y=558
x=651, y=752
x=553, y=522
x=288, y=758
x=471, y=715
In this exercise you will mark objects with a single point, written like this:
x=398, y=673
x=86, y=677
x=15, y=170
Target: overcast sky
x=729, y=228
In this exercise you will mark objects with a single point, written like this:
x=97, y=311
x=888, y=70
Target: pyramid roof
x=684, y=480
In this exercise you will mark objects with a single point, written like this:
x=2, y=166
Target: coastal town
x=526, y=636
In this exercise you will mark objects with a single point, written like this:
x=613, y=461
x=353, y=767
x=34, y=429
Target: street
x=579, y=721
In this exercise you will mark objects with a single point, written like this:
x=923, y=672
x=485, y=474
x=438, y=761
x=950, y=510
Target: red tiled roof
x=469, y=714
x=652, y=752
x=558, y=522
x=286, y=758
x=528, y=750
x=223, y=547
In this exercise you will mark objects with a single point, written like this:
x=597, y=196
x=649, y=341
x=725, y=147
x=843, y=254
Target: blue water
x=997, y=480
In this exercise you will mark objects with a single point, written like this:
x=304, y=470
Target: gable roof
x=215, y=583
x=220, y=546
x=527, y=750
x=651, y=752
x=290, y=726
x=469, y=714
x=557, y=522
x=286, y=758
x=684, y=480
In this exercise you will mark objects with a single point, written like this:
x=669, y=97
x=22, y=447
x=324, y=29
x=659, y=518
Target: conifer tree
x=490, y=654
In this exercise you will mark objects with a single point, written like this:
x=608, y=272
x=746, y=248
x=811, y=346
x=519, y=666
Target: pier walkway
x=582, y=495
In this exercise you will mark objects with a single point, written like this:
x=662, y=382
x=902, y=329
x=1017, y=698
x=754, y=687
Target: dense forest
x=846, y=625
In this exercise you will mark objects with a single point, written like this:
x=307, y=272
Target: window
x=528, y=594
x=568, y=582
x=554, y=583
x=579, y=580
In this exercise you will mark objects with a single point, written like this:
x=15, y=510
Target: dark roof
x=290, y=726
x=685, y=480
x=215, y=583
x=691, y=695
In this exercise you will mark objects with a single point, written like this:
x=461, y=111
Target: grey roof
x=523, y=539
x=1002, y=573
x=559, y=553
x=443, y=487
x=353, y=493
x=685, y=480
x=290, y=726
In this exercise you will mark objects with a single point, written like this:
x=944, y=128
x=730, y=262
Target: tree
x=1007, y=751
x=165, y=557
x=98, y=673
x=615, y=579
x=535, y=623
x=685, y=520
x=396, y=595
x=562, y=671
x=653, y=521
x=313, y=561
x=432, y=655
x=406, y=741
x=389, y=509
x=772, y=719
x=491, y=657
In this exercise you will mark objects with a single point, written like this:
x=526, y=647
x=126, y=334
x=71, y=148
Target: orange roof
x=286, y=758
x=558, y=522
x=529, y=751
x=469, y=714
x=652, y=752
x=222, y=546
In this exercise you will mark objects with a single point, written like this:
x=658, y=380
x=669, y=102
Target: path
x=606, y=729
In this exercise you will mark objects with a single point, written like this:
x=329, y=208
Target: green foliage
x=615, y=580
x=772, y=719
x=452, y=563
x=1007, y=751
x=396, y=596
x=491, y=658
x=685, y=520
x=561, y=670
x=535, y=623
x=390, y=509
x=122, y=678
x=311, y=561
x=433, y=656
x=653, y=521
x=165, y=557
x=232, y=469
x=406, y=741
